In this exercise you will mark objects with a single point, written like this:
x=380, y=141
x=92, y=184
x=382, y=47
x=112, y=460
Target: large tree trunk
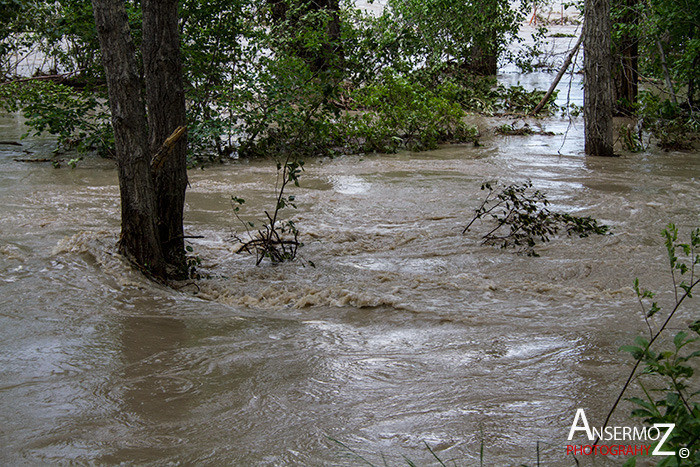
x=139, y=240
x=597, y=85
x=165, y=99
x=625, y=71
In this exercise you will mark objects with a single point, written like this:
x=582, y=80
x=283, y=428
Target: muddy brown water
x=405, y=333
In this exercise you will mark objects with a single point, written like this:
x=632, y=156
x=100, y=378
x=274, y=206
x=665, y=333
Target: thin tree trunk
x=626, y=75
x=667, y=75
x=560, y=75
x=139, y=240
x=165, y=99
x=597, y=94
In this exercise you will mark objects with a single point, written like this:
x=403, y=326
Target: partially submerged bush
x=514, y=130
x=674, y=127
x=396, y=112
x=276, y=240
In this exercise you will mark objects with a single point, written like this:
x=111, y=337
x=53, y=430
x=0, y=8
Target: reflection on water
x=406, y=331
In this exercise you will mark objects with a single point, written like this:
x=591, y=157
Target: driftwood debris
x=564, y=67
x=38, y=160
x=166, y=149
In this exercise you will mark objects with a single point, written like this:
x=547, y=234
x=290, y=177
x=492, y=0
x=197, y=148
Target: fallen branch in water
x=522, y=218
x=60, y=77
x=559, y=76
x=39, y=160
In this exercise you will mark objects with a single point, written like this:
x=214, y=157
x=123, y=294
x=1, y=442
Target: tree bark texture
x=139, y=239
x=597, y=85
x=165, y=100
x=625, y=69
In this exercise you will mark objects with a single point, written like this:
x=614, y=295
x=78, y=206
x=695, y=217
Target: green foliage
x=291, y=114
x=273, y=78
x=65, y=31
x=667, y=381
x=673, y=399
x=521, y=218
x=673, y=26
x=436, y=31
x=677, y=26
x=217, y=42
x=673, y=127
x=16, y=22
x=77, y=117
x=394, y=112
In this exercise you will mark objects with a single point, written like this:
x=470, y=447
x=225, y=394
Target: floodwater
x=405, y=333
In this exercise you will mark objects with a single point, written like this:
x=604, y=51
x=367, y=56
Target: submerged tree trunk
x=139, y=239
x=165, y=98
x=625, y=70
x=597, y=94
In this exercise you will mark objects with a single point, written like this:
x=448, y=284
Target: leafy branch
x=521, y=218
x=669, y=364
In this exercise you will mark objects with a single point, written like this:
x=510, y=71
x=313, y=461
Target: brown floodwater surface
x=406, y=332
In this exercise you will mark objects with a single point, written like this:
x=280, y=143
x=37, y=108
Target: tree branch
x=166, y=149
x=562, y=70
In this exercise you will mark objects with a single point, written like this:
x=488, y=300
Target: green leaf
x=679, y=339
